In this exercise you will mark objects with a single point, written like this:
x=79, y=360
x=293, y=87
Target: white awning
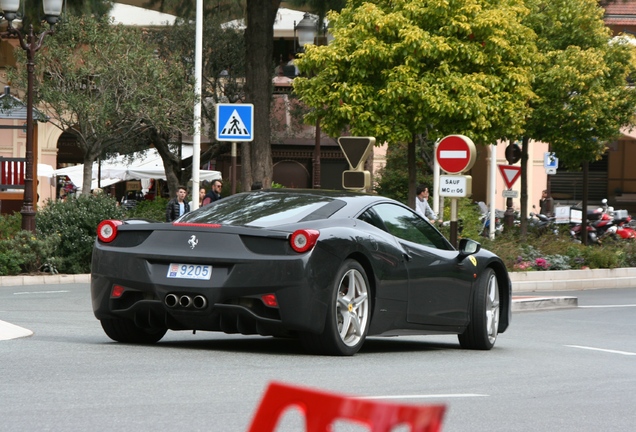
x=283, y=25
x=141, y=166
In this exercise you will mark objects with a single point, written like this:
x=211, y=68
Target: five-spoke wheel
x=348, y=314
x=482, y=331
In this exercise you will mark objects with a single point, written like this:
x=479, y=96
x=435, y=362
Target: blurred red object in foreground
x=321, y=409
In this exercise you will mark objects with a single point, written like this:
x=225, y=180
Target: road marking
x=10, y=331
x=431, y=396
x=602, y=350
x=38, y=292
x=607, y=306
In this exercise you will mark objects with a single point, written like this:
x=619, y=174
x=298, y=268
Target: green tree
x=223, y=67
x=105, y=85
x=580, y=81
x=396, y=69
x=256, y=157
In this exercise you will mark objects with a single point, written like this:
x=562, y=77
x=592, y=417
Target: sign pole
x=453, y=223
x=233, y=167
x=455, y=154
x=509, y=215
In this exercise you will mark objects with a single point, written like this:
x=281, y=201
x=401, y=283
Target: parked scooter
x=541, y=223
x=605, y=223
x=611, y=224
x=592, y=237
x=485, y=220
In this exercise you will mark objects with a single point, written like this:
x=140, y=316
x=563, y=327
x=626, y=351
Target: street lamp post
x=306, y=31
x=31, y=43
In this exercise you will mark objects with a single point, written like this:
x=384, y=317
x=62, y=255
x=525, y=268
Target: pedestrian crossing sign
x=234, y=122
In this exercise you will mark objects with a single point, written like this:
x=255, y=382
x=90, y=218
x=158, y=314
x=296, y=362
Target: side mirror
x=604, y=201
x=468, y=247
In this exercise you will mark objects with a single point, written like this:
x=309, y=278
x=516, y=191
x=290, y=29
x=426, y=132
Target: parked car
x=327, y=267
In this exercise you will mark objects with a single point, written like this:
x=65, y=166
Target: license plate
x=189, y=271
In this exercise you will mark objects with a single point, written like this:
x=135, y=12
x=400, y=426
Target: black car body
x=327, y=267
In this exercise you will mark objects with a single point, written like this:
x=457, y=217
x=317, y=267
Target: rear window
x=265, y=209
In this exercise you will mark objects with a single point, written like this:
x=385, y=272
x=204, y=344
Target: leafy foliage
x=75, y=222
x=392, y=180
x=154, y=210
x=580, y=80
x=105, y=85
x=10, y=225
x=399, y=68
x=26, y=253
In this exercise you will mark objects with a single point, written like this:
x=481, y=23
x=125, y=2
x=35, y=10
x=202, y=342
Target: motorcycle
x=614, y=223
x=606, y=224
x=485, y=220
x=541, y=223
x=592, y=236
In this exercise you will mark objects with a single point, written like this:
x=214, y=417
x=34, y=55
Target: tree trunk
x=246, y=167
x=259, y=37
x=87, y=175
x=171, y=162
x=525, y=142
x=412, y=173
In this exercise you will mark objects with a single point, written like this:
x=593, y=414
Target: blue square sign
x=234, y=122
x=550, y=160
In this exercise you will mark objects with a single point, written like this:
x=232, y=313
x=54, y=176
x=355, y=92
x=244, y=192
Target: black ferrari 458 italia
x=329, y=268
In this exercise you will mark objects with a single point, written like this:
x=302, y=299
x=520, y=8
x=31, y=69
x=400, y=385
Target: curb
x=46, y=279
x=568, y=280
x=522, y=282
x=529, y=303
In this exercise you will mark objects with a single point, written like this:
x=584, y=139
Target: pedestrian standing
x=546, y=204
x=421, y=204
x=177, y=206
x=214, y=194
x=201, y=196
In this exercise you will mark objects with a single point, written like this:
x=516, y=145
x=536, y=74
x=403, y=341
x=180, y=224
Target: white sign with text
x=455, y=186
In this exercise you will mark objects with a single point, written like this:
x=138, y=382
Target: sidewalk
x=526, y=286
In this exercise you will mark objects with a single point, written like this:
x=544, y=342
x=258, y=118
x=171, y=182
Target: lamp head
x=10, y=9
x=52, y=9
x=306, y=29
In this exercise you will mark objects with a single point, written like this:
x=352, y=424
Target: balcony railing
x=12, y=172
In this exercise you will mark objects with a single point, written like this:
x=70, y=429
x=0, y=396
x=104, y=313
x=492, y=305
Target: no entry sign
x=455, y=154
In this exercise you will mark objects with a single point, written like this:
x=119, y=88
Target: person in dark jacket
x=214, y=194
x=177, y=206
x=546, y=204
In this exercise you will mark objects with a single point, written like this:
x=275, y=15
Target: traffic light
x=513, y=153
x=356, y=180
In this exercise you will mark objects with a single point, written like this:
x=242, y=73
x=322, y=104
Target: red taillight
x=107, y=230
x=270, y=300
x=117, y=291
x=304, y=240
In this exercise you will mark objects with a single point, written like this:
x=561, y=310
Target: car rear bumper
x=232, y=299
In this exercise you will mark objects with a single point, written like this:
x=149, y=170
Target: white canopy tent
x=283, y=25
x=140, y=166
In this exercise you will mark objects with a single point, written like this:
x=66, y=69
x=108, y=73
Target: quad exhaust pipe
x=185, y=301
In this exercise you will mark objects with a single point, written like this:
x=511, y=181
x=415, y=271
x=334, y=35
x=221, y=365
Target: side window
x=372, y=218
x=407, y=225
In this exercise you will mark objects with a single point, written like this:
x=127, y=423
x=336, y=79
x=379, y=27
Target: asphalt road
x=559, y=370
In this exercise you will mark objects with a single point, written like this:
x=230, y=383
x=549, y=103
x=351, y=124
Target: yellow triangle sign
x=356, y=149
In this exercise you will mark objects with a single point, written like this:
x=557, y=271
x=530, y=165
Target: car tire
x=482, y=330
x=124, y=330
x=348, y=314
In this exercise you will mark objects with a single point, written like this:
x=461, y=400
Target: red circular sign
x=455, y=154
